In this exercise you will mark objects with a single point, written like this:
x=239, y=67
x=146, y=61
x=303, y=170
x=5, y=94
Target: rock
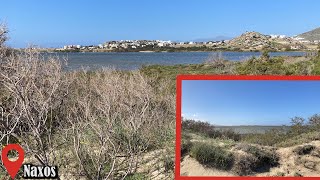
x=310, y=165
x=316, y=153
x=258, y=41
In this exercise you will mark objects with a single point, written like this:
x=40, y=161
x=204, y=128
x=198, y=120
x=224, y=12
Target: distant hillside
x=258, y=41
x=251, y=40
x=313, y=35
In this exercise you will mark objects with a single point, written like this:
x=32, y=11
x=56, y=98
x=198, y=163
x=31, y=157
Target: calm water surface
x=134, y=60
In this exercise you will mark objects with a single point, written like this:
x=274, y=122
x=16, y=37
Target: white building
x=274, y=36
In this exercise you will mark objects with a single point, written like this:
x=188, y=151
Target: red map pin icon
x=12, y=166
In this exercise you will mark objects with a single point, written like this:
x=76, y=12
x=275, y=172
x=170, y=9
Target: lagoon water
x=135, y=60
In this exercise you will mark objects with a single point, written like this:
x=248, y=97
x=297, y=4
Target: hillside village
x=248, y=41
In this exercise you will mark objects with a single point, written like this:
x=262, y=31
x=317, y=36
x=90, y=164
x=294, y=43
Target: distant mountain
x=313, y=35
x=218, y=38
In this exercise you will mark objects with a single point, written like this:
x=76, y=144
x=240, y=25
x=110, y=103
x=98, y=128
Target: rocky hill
x=313, y=35
x=252, y=41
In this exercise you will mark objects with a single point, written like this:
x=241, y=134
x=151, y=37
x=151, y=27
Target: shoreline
x=170, y=51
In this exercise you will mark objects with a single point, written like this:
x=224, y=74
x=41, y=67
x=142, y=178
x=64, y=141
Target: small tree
x=297, y=125
x=315, y=120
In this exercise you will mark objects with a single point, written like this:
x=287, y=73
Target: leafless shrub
x=314, y=120
x=115, y=117
x=109, y=118
x=218, y=62
x=216, y=59
x=3, y=34
x=99, y=122
x=35, y=90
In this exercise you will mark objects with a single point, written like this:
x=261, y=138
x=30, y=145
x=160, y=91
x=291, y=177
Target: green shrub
x=269, y=138
x=302, y=150
x=265, y=55
x=209, y=130
x=214, y=134
x=296, y=174
x=256, y=66
x=244, y=164
x=168, y=164
x=230, y=134
x=265, y=158
x=197, y=126
x=299, y=139
x=136, y=176
x=186, y=146
x=280, y=174
x=212, y=156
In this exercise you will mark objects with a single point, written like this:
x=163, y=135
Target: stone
x=310, y=165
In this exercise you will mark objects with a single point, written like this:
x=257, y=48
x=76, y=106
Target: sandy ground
x=291, y=164
x=191, y=167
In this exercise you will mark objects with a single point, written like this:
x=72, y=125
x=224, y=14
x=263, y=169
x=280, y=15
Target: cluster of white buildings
x=136, y=44
x=155, y=43
x=303, y=40
x=275, y=36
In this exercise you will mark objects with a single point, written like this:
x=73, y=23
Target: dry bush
x=34, y=90
x=97, y=122
x=114, y=117
x=3, y=34
x=216, y=59
x=102, y=120
x=218, y=62
x=244, y=164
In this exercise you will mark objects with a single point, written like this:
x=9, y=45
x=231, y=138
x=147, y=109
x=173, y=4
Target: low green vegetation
x=215, y=65
x=136, y=176
x=186, y=144
x=299, y=132
x=300, y=139
x=212, y=156
x=264, y=157
x=246, y=154
x=208, y=130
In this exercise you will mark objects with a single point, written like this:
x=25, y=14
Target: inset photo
x=250, y=128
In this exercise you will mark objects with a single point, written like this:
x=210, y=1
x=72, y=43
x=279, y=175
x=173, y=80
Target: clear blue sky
x=249, y=102
x=58, y=22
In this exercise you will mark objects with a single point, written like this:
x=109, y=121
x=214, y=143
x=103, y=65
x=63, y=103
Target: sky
x=240, y=102
x=53, y=23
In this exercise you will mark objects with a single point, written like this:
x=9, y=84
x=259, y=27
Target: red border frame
x=179, y=80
